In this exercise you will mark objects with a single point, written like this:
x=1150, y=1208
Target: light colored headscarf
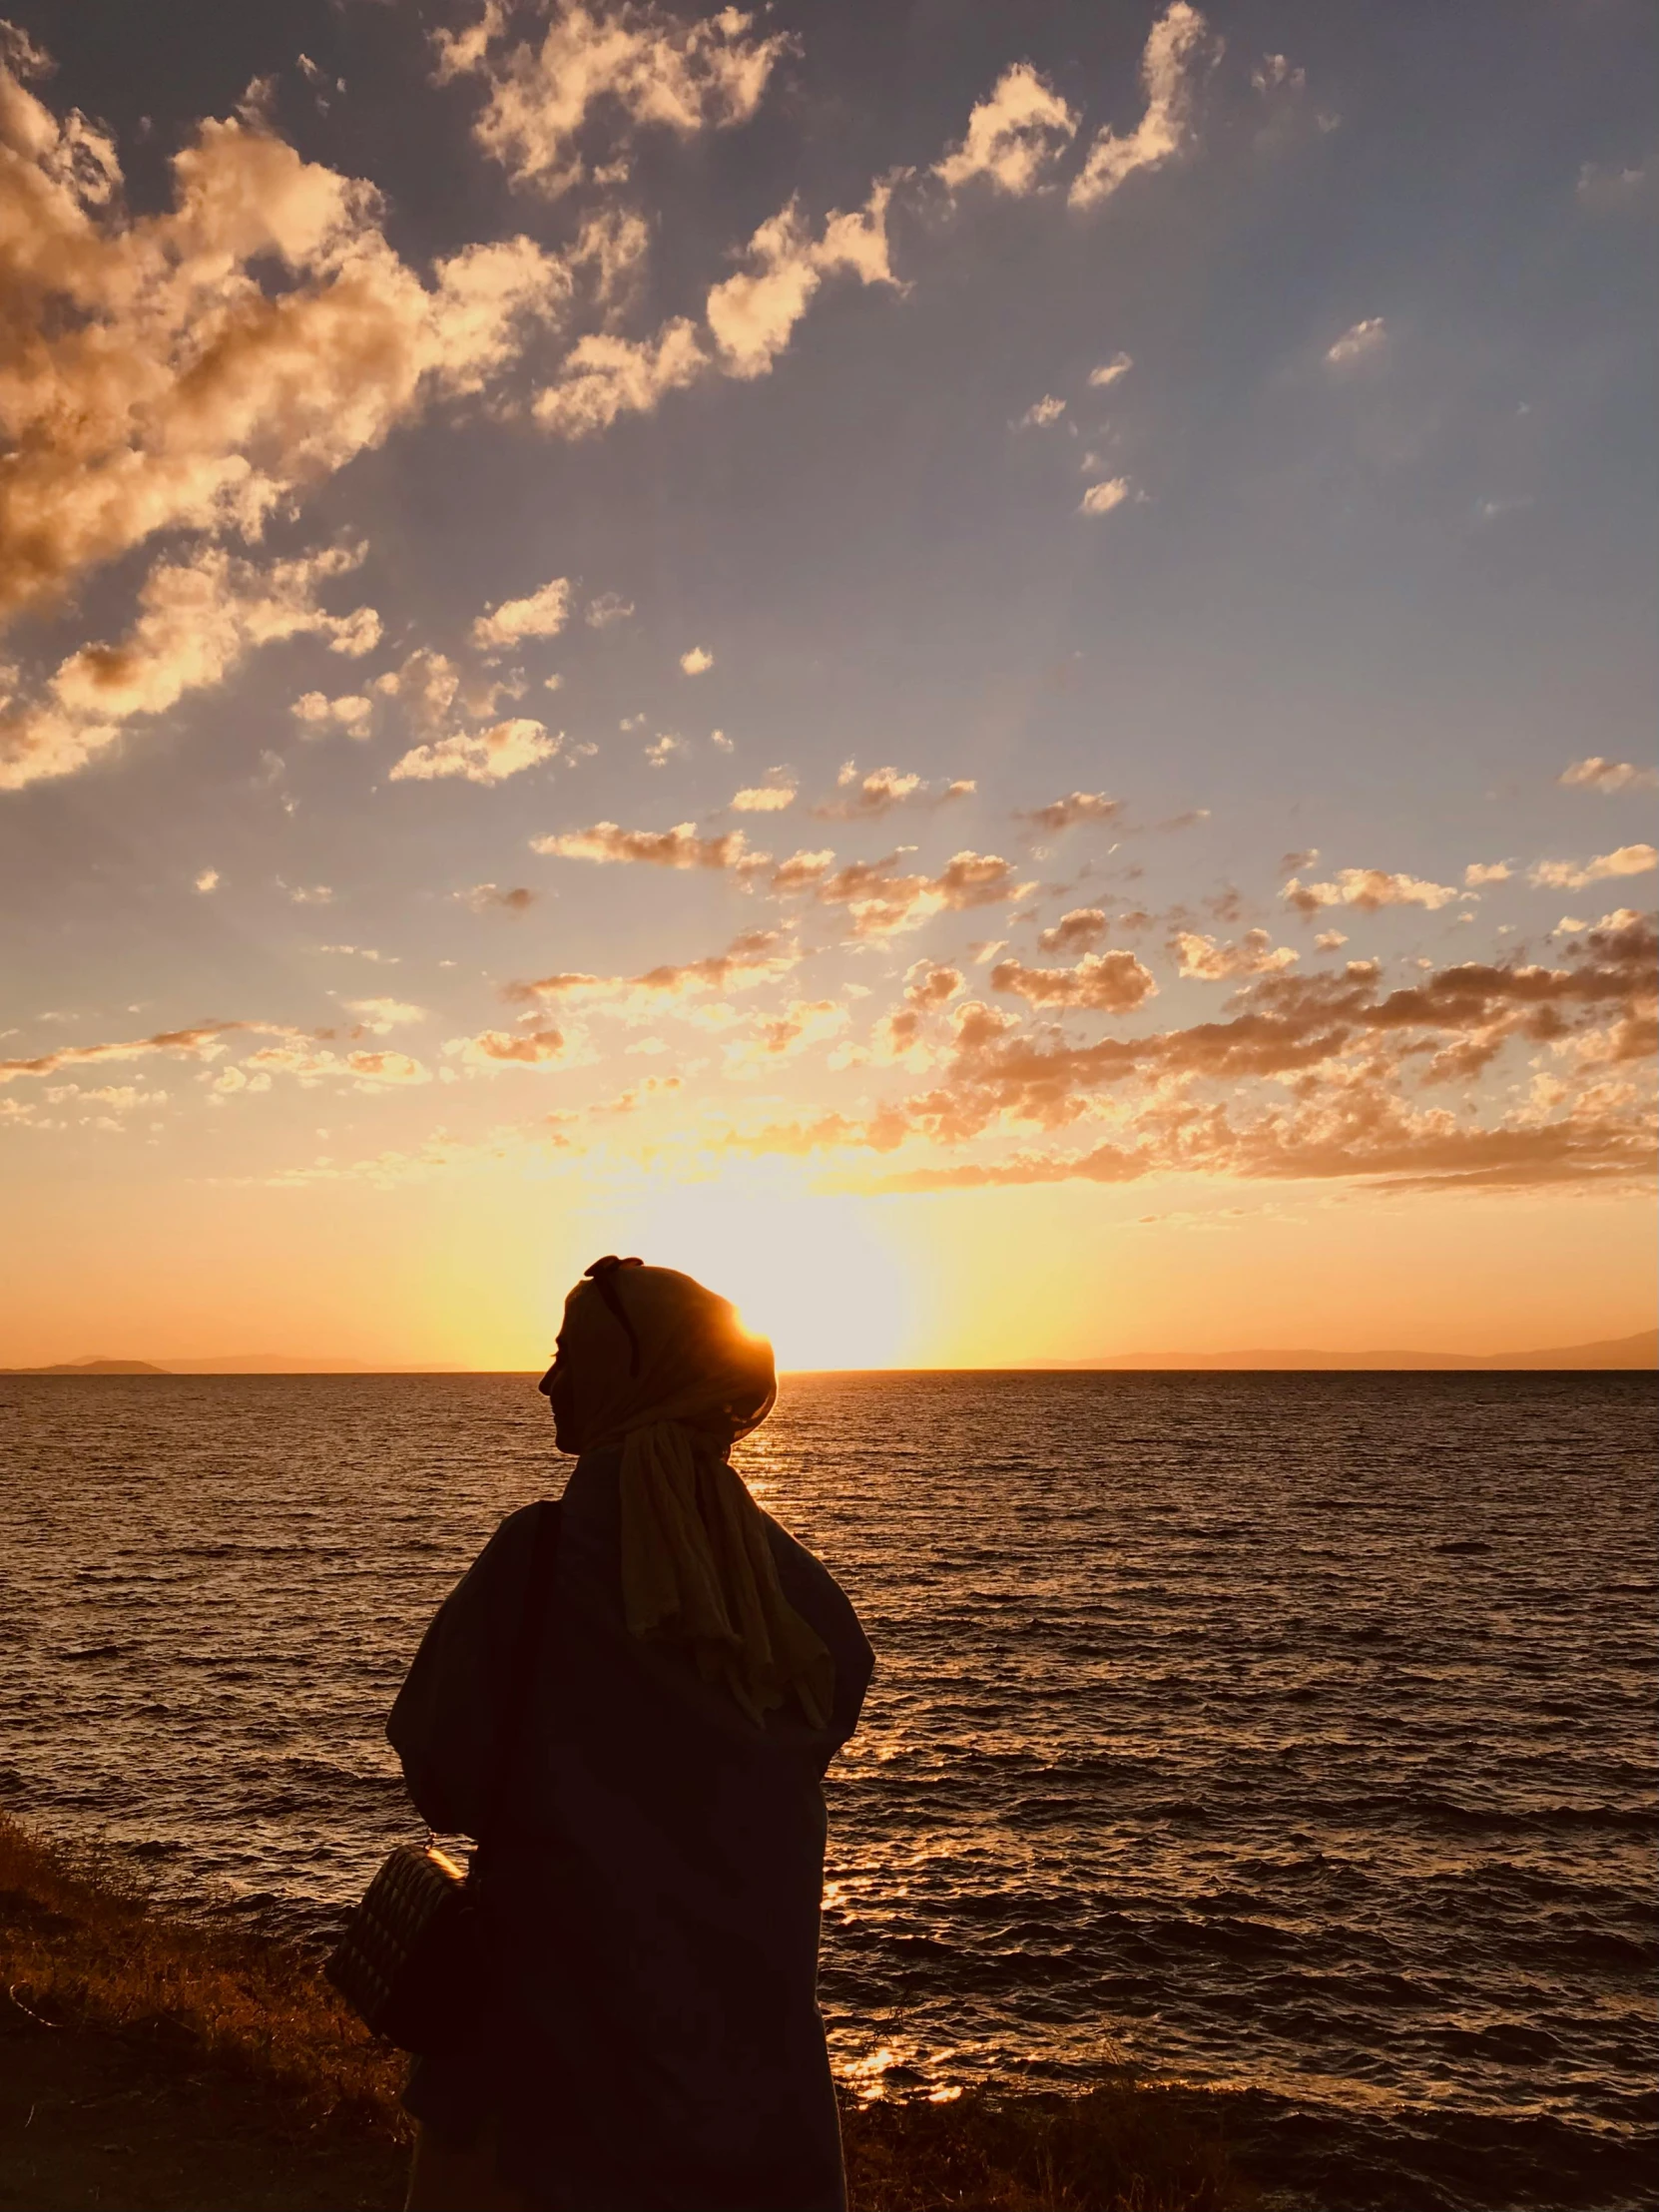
x=652, y=1361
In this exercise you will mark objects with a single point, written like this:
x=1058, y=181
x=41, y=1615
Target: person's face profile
x=556, y=1386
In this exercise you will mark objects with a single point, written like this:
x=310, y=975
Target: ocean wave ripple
x=1286, y=1734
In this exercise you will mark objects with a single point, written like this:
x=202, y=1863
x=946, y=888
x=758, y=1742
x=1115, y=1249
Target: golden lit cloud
x=1179, y=47
x=541, y=614
x=1573, y=875
x=486, y=756
x=1014, y=138
x=1597, y=774
x=198, y=619
x=1367, y=888
x=636, y=66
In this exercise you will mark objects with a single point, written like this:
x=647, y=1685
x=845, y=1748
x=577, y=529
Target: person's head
x=648, y=1343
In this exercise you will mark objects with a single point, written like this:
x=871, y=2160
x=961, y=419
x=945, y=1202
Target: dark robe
x=650, y=1898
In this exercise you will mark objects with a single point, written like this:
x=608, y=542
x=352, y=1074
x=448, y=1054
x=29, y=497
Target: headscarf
x=652, y=1361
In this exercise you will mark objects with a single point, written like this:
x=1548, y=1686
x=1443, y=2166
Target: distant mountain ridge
x=1638, y=1352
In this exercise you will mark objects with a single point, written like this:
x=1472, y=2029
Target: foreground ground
x=150, y=2064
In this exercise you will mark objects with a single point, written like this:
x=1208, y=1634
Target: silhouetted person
x=650, y=1893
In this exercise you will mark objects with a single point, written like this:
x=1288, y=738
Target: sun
x=817, y=1273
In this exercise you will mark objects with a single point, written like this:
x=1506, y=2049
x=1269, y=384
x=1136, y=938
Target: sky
x=986, y=673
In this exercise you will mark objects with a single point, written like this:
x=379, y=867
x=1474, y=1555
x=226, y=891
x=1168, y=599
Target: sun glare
x=818, y=1274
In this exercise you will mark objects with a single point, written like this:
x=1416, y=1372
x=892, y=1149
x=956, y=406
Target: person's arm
x=447, y=1721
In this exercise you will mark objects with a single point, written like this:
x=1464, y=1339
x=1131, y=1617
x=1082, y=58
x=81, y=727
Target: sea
x=1287, y=1734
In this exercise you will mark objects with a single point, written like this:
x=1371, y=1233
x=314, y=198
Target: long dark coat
x=652, y=1900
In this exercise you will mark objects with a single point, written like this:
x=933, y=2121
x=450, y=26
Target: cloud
x=1109, y=372
x=756, y=957
x=1101, y=983
x=1329, y=940
x=763, y=799
x=1478, y=873
x=636, y=66
x=1178, y=46
x=308, y=895
x=1607, y=185
x=610, y=607
x=1358, y=342
x=802, y=871
x=487, y=756
x=542, y=615
x=751, y=315
x=206, y=1041
x=482, y=898
x=1210, y=962
x=662, y=750
x=199, y=367
x=803, y=1024
x=1367, y=888
x=495, y=1048
x=697, y=660
x=382, y=1015
x=680, y=846
x=197, y=618
x=1041, y=413
x=881, y=902
x=1100, y=499
x=1075, y=931
x=1571, y=876
x=317, y=713
x=207, y=880
x=864, y=798
x=1013, y=136
x=1595, y=773
x=1335, y=1050
x=1060, y=814
x=604, y=377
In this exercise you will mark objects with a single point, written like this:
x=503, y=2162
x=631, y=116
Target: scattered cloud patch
x=697, y=660
x=1212, y=963
x=680, y=846
x=1573, y=875
x=1109, y=372
x=1179, y=48
x=487, y=756
x=1359, y=342
x=1041, y=413
x=1597, y=774
x=1367, y=888
x=634, y=67
x=207, y=880
x=543, y=613
x=609, y=608
x=1060, y=814
x=1074, y=932
x=1014, y=138
x=1100, y=499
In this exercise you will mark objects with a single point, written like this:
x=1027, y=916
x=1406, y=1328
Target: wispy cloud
x=1178, y=48
x=1014, y=138
x=1573, y=875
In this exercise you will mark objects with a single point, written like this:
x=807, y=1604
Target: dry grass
x=1121, y=2147
x=81, y=1944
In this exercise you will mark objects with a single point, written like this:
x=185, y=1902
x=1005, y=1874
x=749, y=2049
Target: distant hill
x=1639, y=1350
x=92, y=1367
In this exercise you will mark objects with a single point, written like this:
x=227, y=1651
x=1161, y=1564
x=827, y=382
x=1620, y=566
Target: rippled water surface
x=1288, y=1733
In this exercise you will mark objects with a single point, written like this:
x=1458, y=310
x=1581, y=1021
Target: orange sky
x=1001, y=698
